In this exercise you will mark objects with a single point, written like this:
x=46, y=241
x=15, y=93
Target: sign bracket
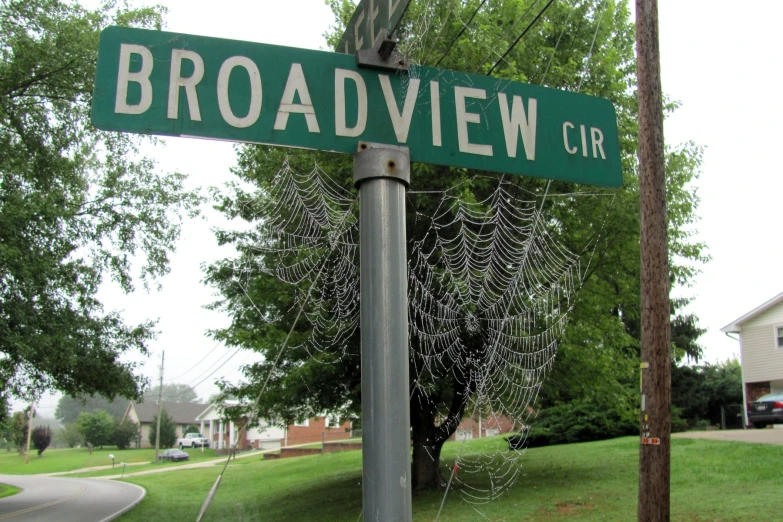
x=383, y=57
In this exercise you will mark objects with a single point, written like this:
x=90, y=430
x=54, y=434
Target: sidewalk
x=765, y=436
x=202, y=464
x=87, y=470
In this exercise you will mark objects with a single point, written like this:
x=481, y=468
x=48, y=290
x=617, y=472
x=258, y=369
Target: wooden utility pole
x=654, y=453
x=160, y=408
x=29, y=432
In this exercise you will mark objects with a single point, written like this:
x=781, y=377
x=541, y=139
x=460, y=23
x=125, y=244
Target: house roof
x=213, y=412
x=180, y=412
x=735, y=326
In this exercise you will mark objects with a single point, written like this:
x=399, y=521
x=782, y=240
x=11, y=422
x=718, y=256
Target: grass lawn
x=711, y=481
x=54, y=460
x=7, y=491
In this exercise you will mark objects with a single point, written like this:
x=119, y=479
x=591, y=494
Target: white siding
x=267, y=433
x=761, y=359
x=771, y=316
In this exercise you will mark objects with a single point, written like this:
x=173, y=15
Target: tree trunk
x=425, y=468
x=428, y=439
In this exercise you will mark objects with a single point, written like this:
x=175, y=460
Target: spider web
x=489, y=295
x=489, y=289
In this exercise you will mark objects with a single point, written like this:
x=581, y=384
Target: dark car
x=767, y=409
x=174, y=454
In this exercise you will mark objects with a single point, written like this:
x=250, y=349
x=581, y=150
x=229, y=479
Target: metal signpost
x=154, y=82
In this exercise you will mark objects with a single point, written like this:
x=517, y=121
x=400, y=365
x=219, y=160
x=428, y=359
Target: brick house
x=479, y=427
x=224, y=433
x=315, y=429
x=760, y=334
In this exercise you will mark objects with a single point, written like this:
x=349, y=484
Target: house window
x=303, y=424
x=332, y=421
x=779, y=336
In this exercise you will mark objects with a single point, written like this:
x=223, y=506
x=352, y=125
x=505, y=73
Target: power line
x=210, y=352
x=464, y=27
x=530, y=26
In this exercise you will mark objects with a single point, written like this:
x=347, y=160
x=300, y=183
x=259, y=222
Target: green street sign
x=154, y=82
x=367, y=25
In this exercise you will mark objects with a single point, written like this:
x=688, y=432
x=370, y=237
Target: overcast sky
x=718, y=60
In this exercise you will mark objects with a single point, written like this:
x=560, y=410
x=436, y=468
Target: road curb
x=128, y=507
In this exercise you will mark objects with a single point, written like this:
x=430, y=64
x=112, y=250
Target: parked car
x=767, y=409
x=193, y=440
x=174, y=455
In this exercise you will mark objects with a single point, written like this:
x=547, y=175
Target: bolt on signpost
x=154, y=82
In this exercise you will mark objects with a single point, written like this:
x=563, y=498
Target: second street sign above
x=155, y=82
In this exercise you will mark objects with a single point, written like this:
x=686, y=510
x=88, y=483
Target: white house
x=760, y=334
x=223, y=433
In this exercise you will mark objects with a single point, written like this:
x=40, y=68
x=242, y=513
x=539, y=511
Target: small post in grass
x=111, y=456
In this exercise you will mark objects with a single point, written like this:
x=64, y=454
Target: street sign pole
x=382, y=173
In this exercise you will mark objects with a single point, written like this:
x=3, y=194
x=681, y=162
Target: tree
x=702, y=391
x=96, y=428
x=70, y=435
x=19, y=427
x=173, y=393
x=597, y=356
x=69, y=408
x=125, y=433
x=168, y=430
x=193, y=428
x=77, y=206
x=42, y=437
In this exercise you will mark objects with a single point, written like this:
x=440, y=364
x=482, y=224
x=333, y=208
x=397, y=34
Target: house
x=324, y=428
x=478, y=427
x=182, y=413
x=760, y=334
x=223, y=433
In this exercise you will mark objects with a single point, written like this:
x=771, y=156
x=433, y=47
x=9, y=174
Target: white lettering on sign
x=568, y=148
x=597, y=138
x=393, y=6
x=400, y=121
x=374, y=38
x=464, y=117
x=435, y=109
x=142, y=77
x=296, y=84
x=176, y=81
x=254, y=110
x=525, y=122
x=357, y=39
x=340, y=127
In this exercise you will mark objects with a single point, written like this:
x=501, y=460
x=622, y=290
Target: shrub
x=125, y=433
x=42, y=437
x=168, y=430
x=582, y=421
x=193, y=428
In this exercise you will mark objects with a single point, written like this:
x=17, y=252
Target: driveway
x=765, y=436
x=50, y=499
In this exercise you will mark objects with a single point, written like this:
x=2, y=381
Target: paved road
x=50, y=499
x=766, y=436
